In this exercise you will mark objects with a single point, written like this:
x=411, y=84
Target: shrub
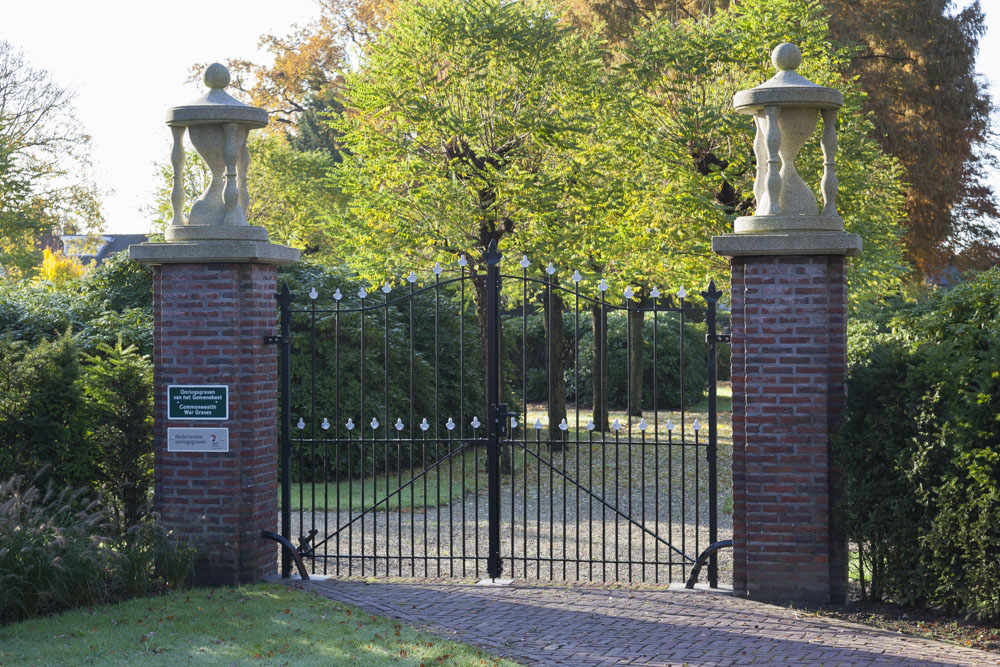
x=326, y=379
x=118, y=385
x=121, y=284
x=112, y=301
x=668, y=357
x=40, y=409
x=920, y=450
x=55, y=553
x=150, y=560
x=52, y=550
x=59, y=269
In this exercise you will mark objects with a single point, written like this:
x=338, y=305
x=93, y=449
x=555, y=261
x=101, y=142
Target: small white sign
x=197, y=439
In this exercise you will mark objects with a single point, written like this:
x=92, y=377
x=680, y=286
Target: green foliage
x=118, y=386
x=330, y=363
x=113, y=300
x=292, y=196
x=692, y=165
x=56, y=553
x=149, y=559
x=920, y=449
x=40, y=409
x=52, y=553
x=32, y=313
x=120, y=284
x=456, y=126
x=667, y=359
x=90, y=423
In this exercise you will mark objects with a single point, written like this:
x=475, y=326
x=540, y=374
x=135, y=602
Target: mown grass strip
x=251, y=625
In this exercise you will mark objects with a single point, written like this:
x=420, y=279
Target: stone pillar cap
x=216, y=106
x=787, y=87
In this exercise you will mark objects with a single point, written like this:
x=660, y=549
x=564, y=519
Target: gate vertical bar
x=711, y=297
x=284, y=298
x=492, y=260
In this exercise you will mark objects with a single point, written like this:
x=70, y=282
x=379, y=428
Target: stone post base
x=789, y=345
x=210, y=320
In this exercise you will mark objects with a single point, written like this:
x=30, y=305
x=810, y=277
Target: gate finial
x=492, y=256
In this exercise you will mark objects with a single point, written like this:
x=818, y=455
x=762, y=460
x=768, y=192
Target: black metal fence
x=418, y=441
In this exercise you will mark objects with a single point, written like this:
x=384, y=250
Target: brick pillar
x=213, y=303
x=789, y=362
x=209, y=326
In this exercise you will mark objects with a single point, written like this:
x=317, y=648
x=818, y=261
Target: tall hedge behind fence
x=920, y=450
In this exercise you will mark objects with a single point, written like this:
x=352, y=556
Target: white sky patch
x=128, y=62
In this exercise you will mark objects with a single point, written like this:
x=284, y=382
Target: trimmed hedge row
x=920, y=450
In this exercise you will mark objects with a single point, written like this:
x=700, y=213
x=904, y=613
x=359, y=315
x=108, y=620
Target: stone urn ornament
x=789, y=219
x=218, y=126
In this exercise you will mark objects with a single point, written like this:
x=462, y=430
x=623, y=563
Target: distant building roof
x=88, y=248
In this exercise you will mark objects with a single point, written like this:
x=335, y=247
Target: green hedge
x=667, y=359
x=322, y=389
x=920, y=449
x=115, y=300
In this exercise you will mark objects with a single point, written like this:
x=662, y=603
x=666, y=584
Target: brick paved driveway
x=538, y=625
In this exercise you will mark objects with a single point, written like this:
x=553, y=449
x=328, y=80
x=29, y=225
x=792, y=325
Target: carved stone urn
x=218, y=126
x=217, y=229
x=788, y=219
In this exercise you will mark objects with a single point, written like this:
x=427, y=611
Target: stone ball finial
x=786, y=57
x=216, y=76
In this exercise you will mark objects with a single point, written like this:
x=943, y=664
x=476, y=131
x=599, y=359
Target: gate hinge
x=276, y=340
x=718, y=338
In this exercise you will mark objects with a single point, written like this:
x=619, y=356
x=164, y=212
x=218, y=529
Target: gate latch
x=718, y=338
x=276, y=340
x=502, y=417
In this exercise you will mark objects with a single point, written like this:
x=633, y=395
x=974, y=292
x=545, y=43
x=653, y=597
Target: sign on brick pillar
x=789, y=335
x=216, y=382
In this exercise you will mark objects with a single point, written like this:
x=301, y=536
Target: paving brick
x=589, y=626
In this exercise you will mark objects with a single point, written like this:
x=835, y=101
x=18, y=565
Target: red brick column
x=209, y=326
x=789, y=346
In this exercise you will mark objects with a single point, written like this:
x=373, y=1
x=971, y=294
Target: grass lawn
x=259, y=625
x=377, y=489
x=437, y=478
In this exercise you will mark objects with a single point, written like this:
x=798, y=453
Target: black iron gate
x=411, y=447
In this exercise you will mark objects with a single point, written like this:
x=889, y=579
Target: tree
x=307, y=61
x=118, y=385
x=455, y=124
x=693, y=155
x=915, y=61
x=43, y=162
x=59, y=269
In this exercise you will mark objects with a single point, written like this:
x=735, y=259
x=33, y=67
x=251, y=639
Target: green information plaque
x=202, y=401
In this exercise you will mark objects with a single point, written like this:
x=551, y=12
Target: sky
x=128, y=62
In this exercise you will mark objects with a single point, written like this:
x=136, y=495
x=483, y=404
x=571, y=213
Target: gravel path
x=551, y=528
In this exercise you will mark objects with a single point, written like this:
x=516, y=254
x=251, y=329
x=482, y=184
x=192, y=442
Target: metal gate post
x=492, y=260
x=285, y=298
x=711, y=296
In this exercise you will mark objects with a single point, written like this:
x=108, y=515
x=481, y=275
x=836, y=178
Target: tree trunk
x=636, y=358
x=553, y=322
x=598, y=374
